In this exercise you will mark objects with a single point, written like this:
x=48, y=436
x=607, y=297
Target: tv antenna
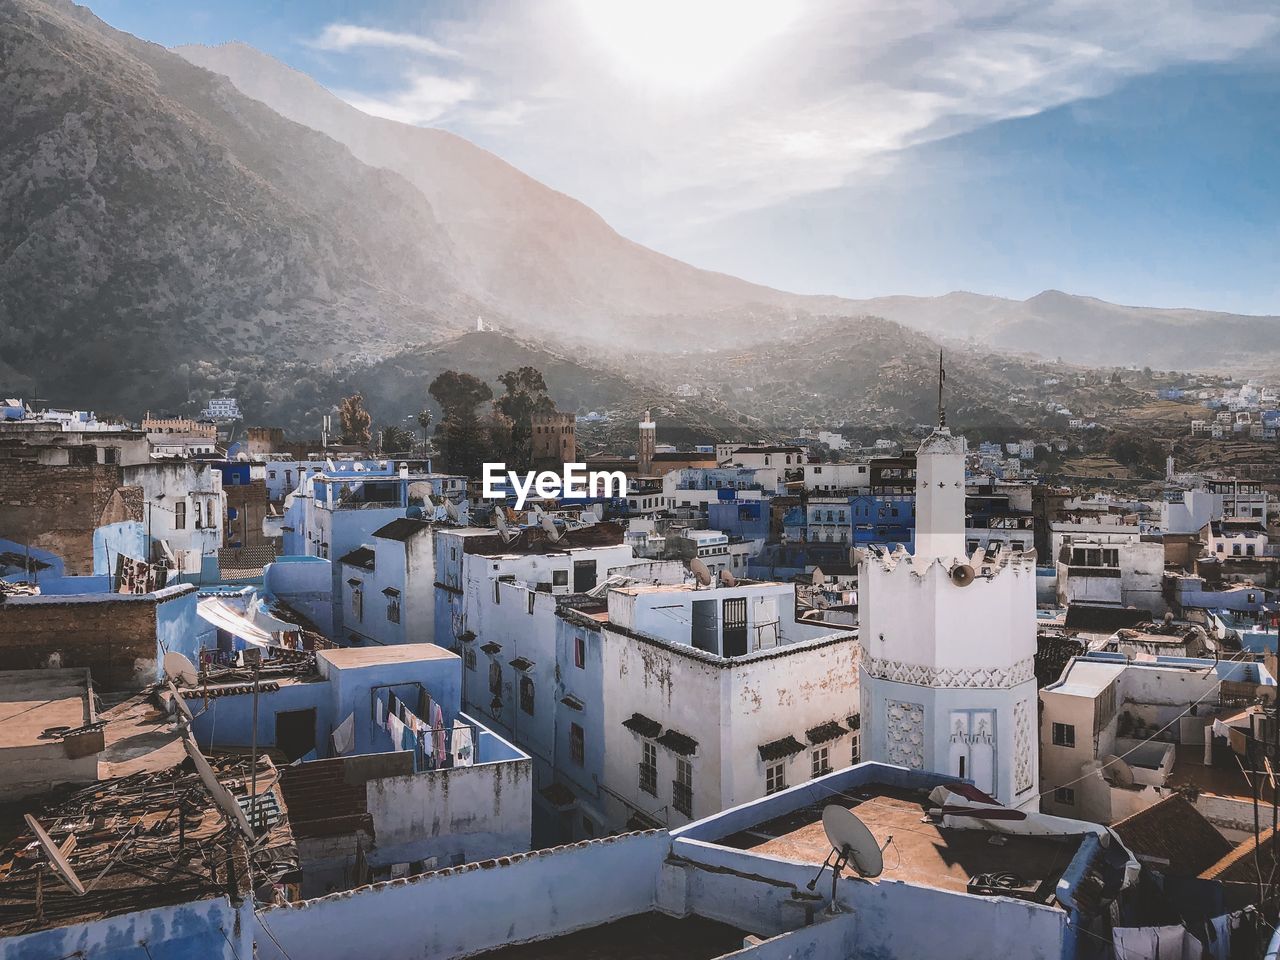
x=222, y=797
x=56, y=858
x=178, y=667
x=700, y=572
x=500, y=521
x=851, y=843
x=549, y=525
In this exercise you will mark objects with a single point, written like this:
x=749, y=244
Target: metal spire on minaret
x=942, y=378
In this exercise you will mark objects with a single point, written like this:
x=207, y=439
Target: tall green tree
x=462, y=435
x=525, y=395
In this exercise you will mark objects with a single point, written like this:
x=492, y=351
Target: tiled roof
x=825, y=732
x=401, y=529
x=359, y=557
x=677, y=742
x=642, y=725
x=1238, y=865
x=1173, y=830
x=558, y=795
x=788, y=746
x=1099, y=618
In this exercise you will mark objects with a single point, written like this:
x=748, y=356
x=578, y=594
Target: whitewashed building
x=947, y=671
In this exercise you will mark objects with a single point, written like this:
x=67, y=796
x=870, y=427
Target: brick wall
x=115, y=637
x=56, y=508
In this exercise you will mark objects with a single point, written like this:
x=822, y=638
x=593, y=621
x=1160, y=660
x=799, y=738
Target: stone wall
x=56, y=508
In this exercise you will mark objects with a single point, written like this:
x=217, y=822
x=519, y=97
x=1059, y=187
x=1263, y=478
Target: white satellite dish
x=549, y=525
x=178, y=667
x=851, y=838
x=700, y=572
x=727, y=579
x=819, y=578
x=428, y=503
x=451, y=511
x=851, y=843
x=55, y=858
x=597, y=510
x=500, y=521
x=221, y=795
x=180, y=702
x=1121, y=774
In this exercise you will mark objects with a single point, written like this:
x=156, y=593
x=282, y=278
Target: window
x=821, y=762
x=357, y=603
x=580, y=652
x=393, y=607
x=453, y=553
x=559, y=578
x=529, y=602
x=497, y=591
x=495, y=677
x=855, y=752
x=110, y=454
x=469, y=658
x=526, y=695
x=775, y=778
x=180, y=515
x=1064, y=735
x=682, y=787
x=649, y=767
x=272, y=474
x=577, y=745
x=208, y=514
x=1065, y=795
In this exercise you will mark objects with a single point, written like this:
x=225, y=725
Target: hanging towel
x=463, y=750
x=344, y=737
x=397, y=733
x=437, y=724
x=382, y=722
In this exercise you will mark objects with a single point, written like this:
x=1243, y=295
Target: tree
x=355, y=420
x=464, y=440
x=424, y=421
x=396, y=439
x=526, y=395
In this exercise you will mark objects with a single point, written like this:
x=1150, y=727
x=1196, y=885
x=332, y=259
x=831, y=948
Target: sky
x=1129, y=151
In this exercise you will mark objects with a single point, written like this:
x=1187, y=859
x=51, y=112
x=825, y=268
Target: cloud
x=824, y=98
x=346, y=36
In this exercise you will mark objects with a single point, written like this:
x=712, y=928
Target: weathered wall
x=56, y=508
x=117, y=636
x=476, y=907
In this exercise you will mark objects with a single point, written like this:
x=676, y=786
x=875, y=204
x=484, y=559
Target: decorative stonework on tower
x=948, y=644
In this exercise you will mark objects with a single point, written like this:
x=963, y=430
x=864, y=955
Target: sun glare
x=683, y=44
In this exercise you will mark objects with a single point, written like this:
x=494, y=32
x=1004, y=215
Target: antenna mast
x=942, y=378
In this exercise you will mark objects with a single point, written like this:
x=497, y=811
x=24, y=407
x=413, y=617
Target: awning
x=558, y=795
x=572, y=702
x=788, y=746
x=490, y=647
x=825, y=732
x=639, y=723
x=521, y=663
x=677, y=742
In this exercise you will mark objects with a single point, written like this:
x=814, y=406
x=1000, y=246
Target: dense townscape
x=274, y=697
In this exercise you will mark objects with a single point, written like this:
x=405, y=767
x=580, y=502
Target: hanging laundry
x=437, y=729
x=378, y=712
x=397, y=733
x=344, y=737
x=462, y=748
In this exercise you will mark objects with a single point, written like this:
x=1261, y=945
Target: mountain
x=547, y=261
x=153, y=215
x=1093, y=332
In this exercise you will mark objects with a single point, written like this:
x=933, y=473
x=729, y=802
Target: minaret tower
x=948, y=643
x=648, y=443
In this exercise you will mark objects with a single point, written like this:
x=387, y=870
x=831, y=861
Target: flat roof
x=922, y=852
x=344, y=657
x=1087, y=678
x=32, y=701
x=652, y=936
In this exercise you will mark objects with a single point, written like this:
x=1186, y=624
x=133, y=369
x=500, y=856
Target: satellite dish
x=597, y=510
x=851, y=838
x=700, y=572
x=221, y=795
x=962, y=574
x=54, y=856
x=178, y=667
x=1121, y=772
x=549, y=525
x=500, y=521
x=427, y=502
x=451, y=511
x=727, y=579
x=180, y=702
x=819, y=578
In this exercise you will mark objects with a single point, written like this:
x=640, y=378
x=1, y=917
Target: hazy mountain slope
x=1090, y=331
x=153, y=215
x=544, y=256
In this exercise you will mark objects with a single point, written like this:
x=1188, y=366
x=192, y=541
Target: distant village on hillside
x=281, y=697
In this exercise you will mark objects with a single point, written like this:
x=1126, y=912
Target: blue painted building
x=880, y=520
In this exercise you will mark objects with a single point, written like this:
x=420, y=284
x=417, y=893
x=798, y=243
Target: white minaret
x=947, y=668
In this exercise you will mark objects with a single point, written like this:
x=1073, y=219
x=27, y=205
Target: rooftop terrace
x=647, y=936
